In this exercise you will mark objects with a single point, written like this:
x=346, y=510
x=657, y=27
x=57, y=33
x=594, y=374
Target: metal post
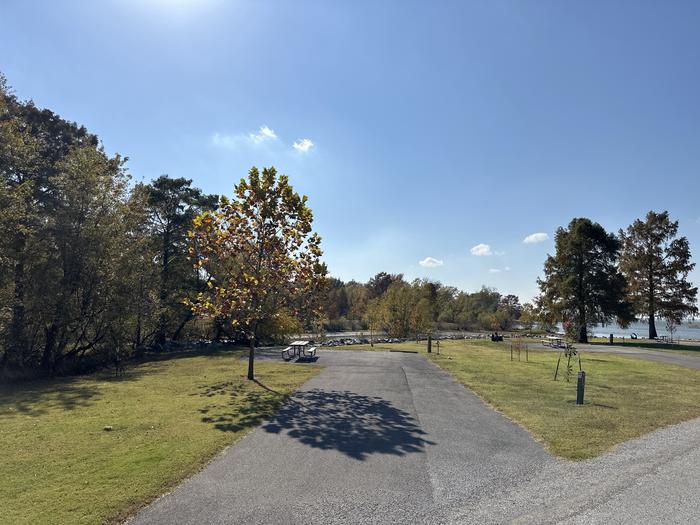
x=580, y=387
x=430, y=344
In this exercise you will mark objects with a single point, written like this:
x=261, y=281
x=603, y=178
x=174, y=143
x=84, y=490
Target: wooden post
x=430, y=344
x=557, y=370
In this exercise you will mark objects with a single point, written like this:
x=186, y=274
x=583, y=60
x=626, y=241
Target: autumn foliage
x=261, y=259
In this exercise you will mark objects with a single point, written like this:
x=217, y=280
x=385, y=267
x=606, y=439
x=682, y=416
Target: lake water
x=688, y=331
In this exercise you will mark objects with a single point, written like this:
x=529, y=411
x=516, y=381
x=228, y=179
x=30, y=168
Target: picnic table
x=299, y=349
x=667, y=339
x=553, y=341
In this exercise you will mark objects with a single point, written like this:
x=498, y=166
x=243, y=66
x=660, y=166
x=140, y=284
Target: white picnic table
x=553, y=341
x=298, y=349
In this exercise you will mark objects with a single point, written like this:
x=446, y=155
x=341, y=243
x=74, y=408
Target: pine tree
x=656, y=263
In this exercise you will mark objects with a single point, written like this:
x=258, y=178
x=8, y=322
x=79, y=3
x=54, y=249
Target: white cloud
x=494, y=270
x=481, y=250
x=507, y=268
x=303, y=145
x=535, y=238
x=263, y=134
x=225, y=141
x=430, y=262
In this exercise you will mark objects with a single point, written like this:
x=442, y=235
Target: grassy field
x=168, y=417
x=625, y=397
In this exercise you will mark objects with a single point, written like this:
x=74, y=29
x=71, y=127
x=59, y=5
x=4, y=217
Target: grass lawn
x=625, y=397
x=169, y=417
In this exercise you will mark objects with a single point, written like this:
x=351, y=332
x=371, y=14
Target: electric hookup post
x=580, y=387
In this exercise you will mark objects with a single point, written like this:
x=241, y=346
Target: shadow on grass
x=353, y=424
x=245, y=411
x=148, y=363
x=39, y=397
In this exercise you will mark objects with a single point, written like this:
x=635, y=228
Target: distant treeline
x=388, y=303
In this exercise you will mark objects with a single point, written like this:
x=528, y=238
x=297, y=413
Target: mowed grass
x=625, y=397
x=169, y=417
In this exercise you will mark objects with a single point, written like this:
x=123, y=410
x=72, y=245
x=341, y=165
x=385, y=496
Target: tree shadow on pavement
x=353, y=424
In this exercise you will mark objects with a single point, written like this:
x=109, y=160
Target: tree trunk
x=163, y=294
x=652, y=307
x=47, y=357
x=583, y=334
x=251, y=359
x=18, y=341
x=652, y=327
x=182, y=324
x=219, y=330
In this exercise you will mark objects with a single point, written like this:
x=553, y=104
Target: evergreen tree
x=656, y=263
x=582, y=284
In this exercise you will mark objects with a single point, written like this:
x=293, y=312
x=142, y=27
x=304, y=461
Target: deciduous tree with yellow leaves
x=260, y=256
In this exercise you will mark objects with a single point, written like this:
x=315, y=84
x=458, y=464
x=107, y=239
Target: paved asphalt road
x=381, y=437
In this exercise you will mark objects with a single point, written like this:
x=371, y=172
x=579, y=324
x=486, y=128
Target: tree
x=373, y=317
x=75, y=280
x=379, y=284
x=172, y=205
x=581, y=282
x=398, y=304
x=33, y=145
x=528, y=316
x=509, y=310
x=259, y=254
x=656, y=263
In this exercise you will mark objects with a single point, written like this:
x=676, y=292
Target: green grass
x=169, y=417
x=625, y=397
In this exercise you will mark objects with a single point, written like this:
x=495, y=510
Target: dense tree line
x=390, y=304
x=92, y=267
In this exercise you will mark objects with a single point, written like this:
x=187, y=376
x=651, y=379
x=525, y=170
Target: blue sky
x=423, y=129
